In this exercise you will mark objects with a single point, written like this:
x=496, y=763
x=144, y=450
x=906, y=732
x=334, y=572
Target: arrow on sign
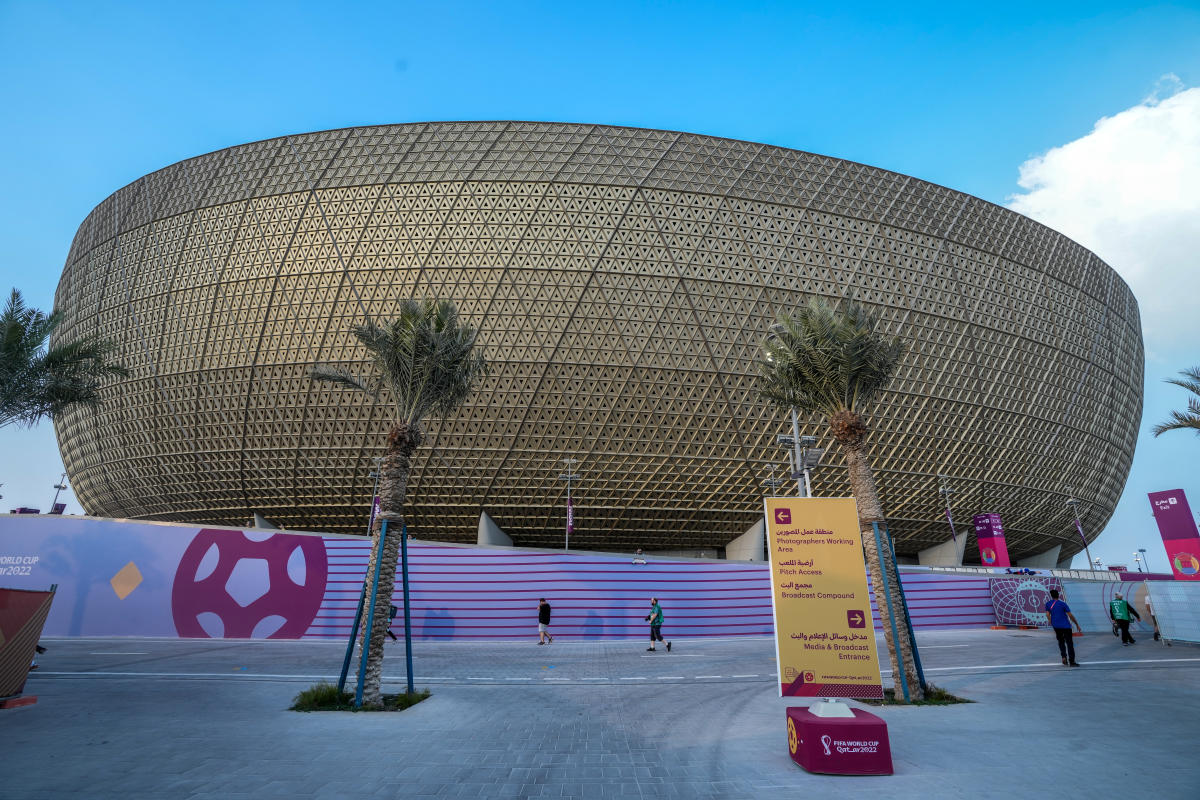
x=856, y=619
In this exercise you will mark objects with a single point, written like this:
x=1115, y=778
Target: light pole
x=1074, y=505
x=1137, y=560
x=374, y=493
x=569, y=476
x=1098, y=563
x=946, y=491
x=802, y=457
x=774, y=483
x=58, y=487
x=1145, y=558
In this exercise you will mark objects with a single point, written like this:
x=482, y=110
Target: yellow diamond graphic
x=125, y=581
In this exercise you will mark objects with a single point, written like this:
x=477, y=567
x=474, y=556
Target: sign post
x=824, y=634
x=1179, y=535
x=989, y=532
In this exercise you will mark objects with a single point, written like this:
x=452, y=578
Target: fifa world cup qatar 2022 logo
x=231, y=586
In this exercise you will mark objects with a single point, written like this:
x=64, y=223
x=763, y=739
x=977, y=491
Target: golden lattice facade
x=622, y=280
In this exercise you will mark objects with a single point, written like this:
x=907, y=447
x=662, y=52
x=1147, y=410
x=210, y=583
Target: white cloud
x=1129, y=191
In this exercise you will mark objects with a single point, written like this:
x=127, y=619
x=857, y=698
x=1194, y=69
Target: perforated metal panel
x=622, y=280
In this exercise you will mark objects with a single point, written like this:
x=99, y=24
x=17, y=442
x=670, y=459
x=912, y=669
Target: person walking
x=655, y=618
x=1119, y=611
x=392, y=612
x=1059, y=615
x=544, y=622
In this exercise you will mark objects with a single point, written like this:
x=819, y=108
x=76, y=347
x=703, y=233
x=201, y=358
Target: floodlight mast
x=569, y=476
x=1073, y=503
x=946, y=491
x=803, y=456
x=58, y=487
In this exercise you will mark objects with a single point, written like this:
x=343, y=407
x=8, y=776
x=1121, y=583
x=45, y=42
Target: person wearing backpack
x=1119, y=611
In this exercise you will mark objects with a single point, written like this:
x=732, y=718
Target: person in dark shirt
x=544, y=622
x=1059, y=615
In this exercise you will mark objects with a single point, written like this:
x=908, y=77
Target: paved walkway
x=206, y=719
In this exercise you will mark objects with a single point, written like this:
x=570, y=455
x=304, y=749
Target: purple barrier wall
x=120, y=578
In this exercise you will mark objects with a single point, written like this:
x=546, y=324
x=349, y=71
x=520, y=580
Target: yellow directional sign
x=824, y=635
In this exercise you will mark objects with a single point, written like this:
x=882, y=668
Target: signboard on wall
x=989, y=532
x=1179, y=535
x=824, y=634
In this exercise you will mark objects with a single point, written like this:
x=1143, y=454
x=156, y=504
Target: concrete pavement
x=207, y=719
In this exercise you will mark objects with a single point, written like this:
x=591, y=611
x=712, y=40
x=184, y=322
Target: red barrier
x=855, y=745
x=22, y=615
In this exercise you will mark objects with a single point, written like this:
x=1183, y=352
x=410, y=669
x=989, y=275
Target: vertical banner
x=374, y=513
x=950, y=519
x=1179, y=534
x=570, y=517
x=824, y=635
x=989, y=531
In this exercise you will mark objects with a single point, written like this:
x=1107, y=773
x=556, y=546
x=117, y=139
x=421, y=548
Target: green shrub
x=325, y=697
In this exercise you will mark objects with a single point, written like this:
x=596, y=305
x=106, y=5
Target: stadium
x=622, y=281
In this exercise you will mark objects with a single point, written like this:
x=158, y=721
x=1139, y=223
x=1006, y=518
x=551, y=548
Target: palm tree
x=425, y=361
x=39, y=381
x=1189, y=420
x=833, y=363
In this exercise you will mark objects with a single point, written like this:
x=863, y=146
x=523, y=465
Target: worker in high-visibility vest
x=1119, y=611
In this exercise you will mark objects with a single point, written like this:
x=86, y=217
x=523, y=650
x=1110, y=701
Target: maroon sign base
x=855, y=745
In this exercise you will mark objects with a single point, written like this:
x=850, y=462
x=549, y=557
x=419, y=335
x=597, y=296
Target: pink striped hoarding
x=120, y=578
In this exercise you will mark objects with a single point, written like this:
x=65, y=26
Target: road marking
x=399, y=678
x=681, y=655
x=936, y=646
x=516, y=679
x=1056, y=664
x=633, y=679
x=743, y=676
x=118, y=654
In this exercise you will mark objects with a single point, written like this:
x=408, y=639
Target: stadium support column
x=490, y=532
x=1045, y=560
x=749, y=546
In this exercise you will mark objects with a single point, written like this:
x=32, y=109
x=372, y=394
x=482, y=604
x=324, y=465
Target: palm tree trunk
x=402, y=441
x=862, y=484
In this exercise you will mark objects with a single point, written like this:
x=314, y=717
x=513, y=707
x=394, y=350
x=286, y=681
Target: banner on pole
x=374, y=513
x=824, y=635
x=570, y=517
x=1179, y=535
x=989, y=532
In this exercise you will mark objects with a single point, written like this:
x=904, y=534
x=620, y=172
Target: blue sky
x=97, y=94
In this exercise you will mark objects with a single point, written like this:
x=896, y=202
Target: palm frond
x=425, y=357
x=824, y=359
x=1184, y=420
x=37, y=382
x=331, y=374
